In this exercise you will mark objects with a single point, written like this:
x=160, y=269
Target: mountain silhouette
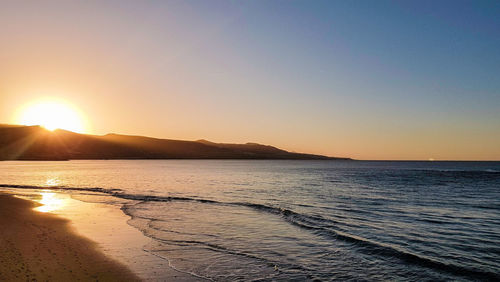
x=37, y=143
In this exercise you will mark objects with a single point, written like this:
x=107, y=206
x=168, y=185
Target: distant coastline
x=35, y=143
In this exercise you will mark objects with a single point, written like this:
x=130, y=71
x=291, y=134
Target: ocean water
x=252, y=220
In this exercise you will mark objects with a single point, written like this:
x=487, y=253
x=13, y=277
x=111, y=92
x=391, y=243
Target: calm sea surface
x=297, y=220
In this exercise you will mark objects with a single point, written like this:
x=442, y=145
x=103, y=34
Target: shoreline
x=50, y=236
x=44, y=246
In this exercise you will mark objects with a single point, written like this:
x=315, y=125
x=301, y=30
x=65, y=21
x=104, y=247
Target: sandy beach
x=43, y=247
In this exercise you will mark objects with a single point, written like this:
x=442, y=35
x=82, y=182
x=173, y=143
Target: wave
x=314, y=223
x=110, y=191
x=149, y=228
x=465, y=171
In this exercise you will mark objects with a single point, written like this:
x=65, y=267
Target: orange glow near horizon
x=52, y=115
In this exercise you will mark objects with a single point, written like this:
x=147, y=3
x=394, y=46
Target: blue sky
x=366, y=79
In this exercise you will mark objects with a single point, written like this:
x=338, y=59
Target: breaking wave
x=313, y=223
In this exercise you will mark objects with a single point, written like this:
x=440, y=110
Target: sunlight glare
x=51, y=202
x=52, y=115
x=53, y=181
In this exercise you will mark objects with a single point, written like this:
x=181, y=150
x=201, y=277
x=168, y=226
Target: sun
x=52, y=115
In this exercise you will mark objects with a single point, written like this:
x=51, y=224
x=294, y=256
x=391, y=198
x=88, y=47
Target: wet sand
x=39, y=246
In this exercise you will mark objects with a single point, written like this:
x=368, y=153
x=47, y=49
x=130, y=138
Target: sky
x=398, y=80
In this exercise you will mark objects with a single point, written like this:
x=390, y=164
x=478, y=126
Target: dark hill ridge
x=37, y=143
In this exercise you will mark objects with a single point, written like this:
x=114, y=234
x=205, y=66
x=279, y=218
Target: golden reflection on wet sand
x=51, y=202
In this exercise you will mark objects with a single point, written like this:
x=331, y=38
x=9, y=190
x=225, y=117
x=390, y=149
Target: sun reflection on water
x=51, y=202
x=53, y=181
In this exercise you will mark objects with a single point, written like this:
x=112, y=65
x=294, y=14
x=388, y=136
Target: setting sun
x=52, y=115
x=250, y=140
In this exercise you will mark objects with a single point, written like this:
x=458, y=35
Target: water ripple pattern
x=298, y=220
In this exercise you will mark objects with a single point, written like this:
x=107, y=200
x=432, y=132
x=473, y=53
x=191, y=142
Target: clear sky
x=361, y=79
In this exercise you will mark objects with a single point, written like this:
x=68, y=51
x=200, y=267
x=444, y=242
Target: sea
x=295, y=220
